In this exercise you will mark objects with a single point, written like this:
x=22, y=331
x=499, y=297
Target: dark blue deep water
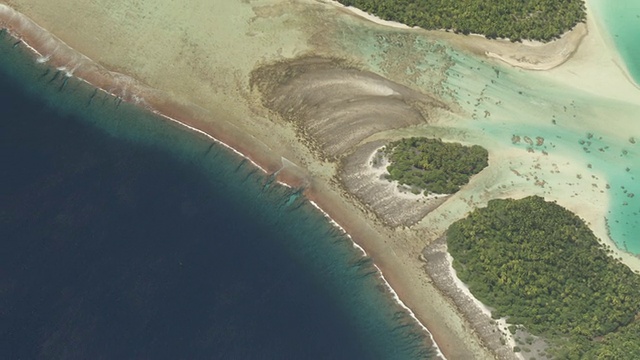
x=123, y=236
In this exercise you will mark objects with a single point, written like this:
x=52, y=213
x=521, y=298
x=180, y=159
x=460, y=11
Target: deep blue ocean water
x=123, y=236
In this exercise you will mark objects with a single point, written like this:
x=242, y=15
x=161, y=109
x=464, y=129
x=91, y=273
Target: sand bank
x=596, y=66
x=590, y=74
x=493, y=333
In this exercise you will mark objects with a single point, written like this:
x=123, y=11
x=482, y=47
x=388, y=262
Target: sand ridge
x=335, y=105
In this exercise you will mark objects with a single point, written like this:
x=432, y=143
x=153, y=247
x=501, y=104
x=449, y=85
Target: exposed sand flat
x=194, y=62
x=533, y=56
x=596, y=66
x=517, y=173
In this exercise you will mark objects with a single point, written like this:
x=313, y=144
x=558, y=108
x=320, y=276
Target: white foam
x=411, y=313
x=212, y=138
x=137, y=99
x=43, y=59
x=284, y=184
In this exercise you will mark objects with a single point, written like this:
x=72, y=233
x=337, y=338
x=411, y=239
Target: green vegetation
x=540, y=266
x=510, y=19
x=432, y=165
x=622, y=344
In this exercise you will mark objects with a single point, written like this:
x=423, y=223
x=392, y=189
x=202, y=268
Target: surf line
x=41, y=59
x=210, y=137
x=394, y=294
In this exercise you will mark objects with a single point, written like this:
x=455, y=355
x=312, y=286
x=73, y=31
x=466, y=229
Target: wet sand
x=199, y=73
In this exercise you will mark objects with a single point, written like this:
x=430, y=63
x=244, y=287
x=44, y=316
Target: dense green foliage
x=511, y=19
x=541, y=266
x=433, y=165
x=623, y=344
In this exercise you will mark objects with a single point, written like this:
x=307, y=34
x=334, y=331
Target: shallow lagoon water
x=125, y=236
x=500, y=102
x=496, y=102
x=621, y=20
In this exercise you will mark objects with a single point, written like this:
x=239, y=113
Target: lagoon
x=621, y=20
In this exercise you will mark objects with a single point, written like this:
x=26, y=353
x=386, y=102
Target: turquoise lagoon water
x=503, y=102
x=621, y=19
x=529, y=105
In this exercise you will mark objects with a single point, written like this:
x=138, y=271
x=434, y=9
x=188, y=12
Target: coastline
x=411, y=285
x=362, y=175
x=596, y=67
x=124, y=88
x=610, y=43
x=395, y=251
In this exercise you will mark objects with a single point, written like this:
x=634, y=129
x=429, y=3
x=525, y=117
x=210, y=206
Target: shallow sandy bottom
x=194, y=61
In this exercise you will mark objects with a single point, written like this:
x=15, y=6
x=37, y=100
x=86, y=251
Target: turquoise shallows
x=621, y=20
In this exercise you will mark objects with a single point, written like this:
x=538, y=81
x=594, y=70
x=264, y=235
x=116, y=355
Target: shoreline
x=527, y=55
x=361, y=174
x=611, y=44
x=596, y=66
x=107, y=82
x=401, y=283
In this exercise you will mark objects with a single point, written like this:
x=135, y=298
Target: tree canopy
x=510, y=19
x=539, y=265
x=433, y=165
